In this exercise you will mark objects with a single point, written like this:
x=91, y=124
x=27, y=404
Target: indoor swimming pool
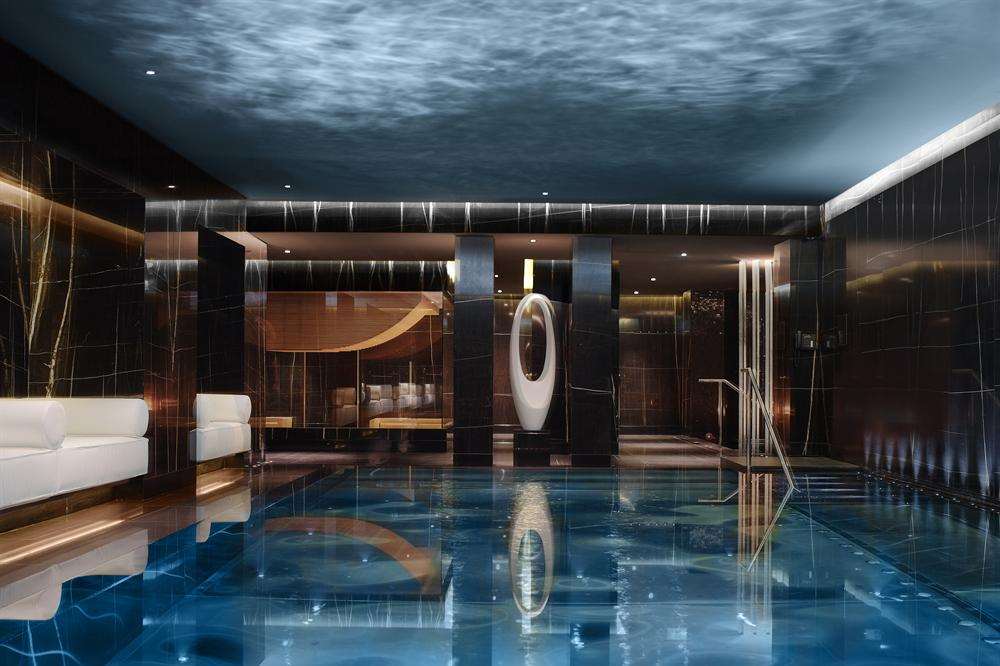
x=465, y=566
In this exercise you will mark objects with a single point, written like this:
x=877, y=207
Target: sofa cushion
x=27, y=474
x=212, y=408
x=89, y=461
x=218, y=440
x=105, y=416
x=39, y=424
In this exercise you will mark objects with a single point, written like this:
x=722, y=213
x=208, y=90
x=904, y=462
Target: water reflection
x=532, y=567
x=531, y=549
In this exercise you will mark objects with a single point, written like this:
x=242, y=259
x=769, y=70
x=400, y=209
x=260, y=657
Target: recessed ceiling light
x=684, y=254
x=499, y=291
x=636, y=292
x=532, y=241
x=288, y=187
x=150, y=72
x=496, y=275
x=171, y=187
x=288, y=251
x=652, y=279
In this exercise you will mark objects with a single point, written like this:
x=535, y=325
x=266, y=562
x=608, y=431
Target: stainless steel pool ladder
x=758, y=404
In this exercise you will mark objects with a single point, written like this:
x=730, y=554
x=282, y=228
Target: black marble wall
x=915, y=368
x=71, y=285
x=593, y=342
x=473, y=350
x=15, y=267
x=705, y=359
x=221, y=314
x=492, y=218
x=800, y=402
x=653, y=339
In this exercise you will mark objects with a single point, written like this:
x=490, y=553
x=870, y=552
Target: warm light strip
x=958, y=137
x=72, y=535
x=14, y=195
x=212, y=487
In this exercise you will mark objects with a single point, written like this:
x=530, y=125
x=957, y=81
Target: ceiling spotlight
x=288, y=187
x=652, y=279
x=288, y=251
x=545, y=194
x=532, y=241
x=496, y=275
x=684, y=254
x=171, y=187
x=636, y=292
x=499, y=291
x=150, y=72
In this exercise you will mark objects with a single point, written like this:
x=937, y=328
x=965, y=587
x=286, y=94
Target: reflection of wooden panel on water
x=420, y=563
x=343, y=321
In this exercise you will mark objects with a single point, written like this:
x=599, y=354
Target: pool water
x=460, y=566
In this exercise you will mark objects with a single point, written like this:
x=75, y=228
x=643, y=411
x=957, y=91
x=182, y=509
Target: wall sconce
x=529, y=275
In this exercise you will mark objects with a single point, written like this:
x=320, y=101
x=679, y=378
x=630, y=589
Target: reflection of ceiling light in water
x=545, y=194
x=150, y=72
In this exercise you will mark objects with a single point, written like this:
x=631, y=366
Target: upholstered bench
x=53, y=446
x=223, y=426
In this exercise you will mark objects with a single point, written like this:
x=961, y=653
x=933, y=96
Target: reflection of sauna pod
x=233, y=508
x=531, y=516
x=36, y=596
x=532, y=398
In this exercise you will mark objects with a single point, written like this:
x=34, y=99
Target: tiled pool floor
x=459, y=566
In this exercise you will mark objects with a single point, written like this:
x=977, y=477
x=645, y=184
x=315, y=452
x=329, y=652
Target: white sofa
x=223, y=426
x=54, y=446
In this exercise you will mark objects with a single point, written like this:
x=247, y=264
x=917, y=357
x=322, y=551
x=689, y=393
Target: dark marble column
x=15, y=275
x=473, y=350
x=221, y=314
x=593, y=340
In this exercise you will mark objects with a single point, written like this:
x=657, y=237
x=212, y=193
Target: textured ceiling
x=770, y=101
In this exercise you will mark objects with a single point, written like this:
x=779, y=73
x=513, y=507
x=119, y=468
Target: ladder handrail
x=769, y=427
x=724, y=382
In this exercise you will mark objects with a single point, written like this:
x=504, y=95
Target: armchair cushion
x=38, y=424
x=212, y=408
x=127, y=417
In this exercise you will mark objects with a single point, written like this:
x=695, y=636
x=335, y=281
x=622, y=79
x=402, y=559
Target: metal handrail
x=769, y=426
x=726, y=382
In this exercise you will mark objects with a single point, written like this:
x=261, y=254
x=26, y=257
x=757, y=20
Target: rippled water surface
x=383, y=566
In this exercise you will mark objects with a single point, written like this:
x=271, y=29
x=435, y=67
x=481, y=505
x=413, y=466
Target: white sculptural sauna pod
x=533, y=397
